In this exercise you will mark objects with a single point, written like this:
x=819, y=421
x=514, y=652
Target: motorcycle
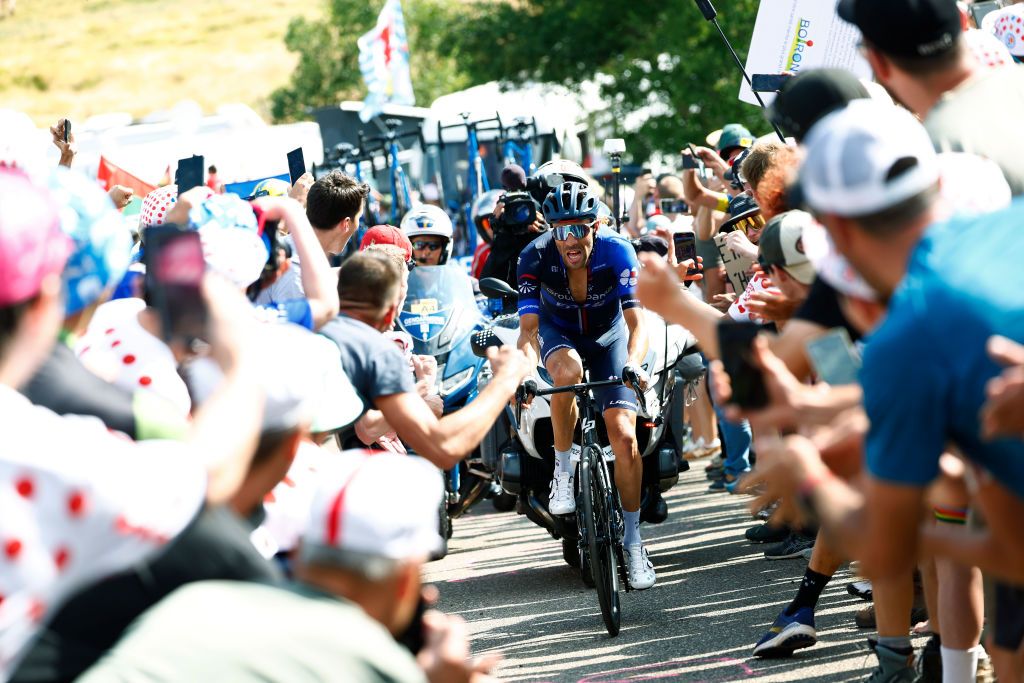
x=525, y=462
x=441, y=314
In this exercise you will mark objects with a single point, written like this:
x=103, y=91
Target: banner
x=736, y=266
x=245, y=189
x=110, y=174
x=799, y=35
x=384, y=62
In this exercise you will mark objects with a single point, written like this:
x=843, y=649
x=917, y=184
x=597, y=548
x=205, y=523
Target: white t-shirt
x=287, y=287
x=79, y=503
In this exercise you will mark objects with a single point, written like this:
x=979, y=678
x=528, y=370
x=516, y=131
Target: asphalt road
x=715, y=596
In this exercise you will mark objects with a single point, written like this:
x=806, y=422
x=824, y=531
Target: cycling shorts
x=604, y=357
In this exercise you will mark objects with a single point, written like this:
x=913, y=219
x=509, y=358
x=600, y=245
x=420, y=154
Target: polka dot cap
x=1007, y=25
x=987, y=49
x=156, y=205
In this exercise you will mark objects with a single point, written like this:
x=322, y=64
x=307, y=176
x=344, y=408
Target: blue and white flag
x=384, y=62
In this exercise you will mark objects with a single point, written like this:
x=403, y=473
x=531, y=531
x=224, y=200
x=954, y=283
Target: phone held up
x=296, y=164
x=834, y=357
x=768, y=82
x=685, y=244
x=174, y=276
x=671, y=205
x=189, y=174
x=735, y=346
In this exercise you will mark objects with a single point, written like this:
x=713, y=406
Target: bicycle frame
x=401, y=198
x=519, y=149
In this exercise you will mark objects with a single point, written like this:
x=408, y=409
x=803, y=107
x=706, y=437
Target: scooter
x=525, y=462
x=441, y=314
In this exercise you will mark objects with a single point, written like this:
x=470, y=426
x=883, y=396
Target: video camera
x=519, y=213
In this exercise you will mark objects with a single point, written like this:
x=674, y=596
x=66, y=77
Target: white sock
x=959, y=666
x=563, y=462
x=632, y=531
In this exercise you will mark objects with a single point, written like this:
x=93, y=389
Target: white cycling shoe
x=561, y=501
x=639, y=569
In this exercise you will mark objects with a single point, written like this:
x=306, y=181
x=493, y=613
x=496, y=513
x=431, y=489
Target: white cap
x=352, y=523
x=864, y=158
x=302, y=378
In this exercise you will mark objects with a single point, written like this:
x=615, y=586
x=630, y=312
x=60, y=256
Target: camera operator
x=517, y=221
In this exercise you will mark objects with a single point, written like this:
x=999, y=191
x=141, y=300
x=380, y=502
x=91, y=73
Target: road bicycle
x=388, y=143
x=476, y=177
x=517, y=143
x=598, y=508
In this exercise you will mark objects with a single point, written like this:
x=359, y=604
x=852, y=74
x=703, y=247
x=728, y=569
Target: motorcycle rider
x=577, y=304
x=430, y=230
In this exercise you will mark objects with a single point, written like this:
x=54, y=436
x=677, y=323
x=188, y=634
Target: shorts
x=708, y=250
x=604, y=357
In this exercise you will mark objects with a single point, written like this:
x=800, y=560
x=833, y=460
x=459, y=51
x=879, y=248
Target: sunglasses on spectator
x=420, y=245
x=751, y=224
x=577, y=230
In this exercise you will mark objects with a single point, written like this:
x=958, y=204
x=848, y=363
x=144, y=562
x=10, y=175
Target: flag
x=384, y=62
x=110, y=174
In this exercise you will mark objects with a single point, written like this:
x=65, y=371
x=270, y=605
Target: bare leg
x=565, y=367
x=629, y=466
x=894, y=596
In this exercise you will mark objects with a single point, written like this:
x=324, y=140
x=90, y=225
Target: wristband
x=723, y=204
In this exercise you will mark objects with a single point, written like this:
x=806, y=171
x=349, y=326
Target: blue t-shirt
x=611, y=283
x=926, y=367
x=295, y=311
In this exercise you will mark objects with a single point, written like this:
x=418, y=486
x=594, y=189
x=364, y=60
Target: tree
x=328, y=68
x=658, y=61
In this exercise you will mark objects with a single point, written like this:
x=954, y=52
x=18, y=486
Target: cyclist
x=577, y=304
x=430, y=230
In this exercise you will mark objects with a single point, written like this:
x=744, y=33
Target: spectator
x=125, y=500
x=368, y=286
x=915, y=399
x=917, y=51
x=213, y=180
x=784, y=260
x=334, y=205
x=359, y=582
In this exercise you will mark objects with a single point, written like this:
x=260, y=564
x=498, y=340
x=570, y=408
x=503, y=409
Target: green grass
x=85, y=57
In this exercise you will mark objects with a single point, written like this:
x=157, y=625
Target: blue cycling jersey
x=611, y=283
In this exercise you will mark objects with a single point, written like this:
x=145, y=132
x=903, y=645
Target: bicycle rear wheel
x=597, y=517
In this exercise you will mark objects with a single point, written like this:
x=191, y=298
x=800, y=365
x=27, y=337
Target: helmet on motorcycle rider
x=571, y=202
x=427, y=219
x=483, y=213
x=569, y=170
x=271, y=187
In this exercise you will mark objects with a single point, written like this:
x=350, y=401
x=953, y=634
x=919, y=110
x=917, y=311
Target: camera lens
x=522, y=213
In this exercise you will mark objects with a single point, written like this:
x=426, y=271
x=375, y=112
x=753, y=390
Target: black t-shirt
x=504, y=258
x=822, y=308
x=215, y=545
x=66, y=387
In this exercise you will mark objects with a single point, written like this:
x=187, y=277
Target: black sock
x=810, y=590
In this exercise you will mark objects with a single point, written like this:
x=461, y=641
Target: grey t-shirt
x=237, y=631
x=983, y=116
x=373, y=364
x=287, y=287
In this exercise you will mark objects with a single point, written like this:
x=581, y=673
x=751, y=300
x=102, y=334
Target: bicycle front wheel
x=594, y=490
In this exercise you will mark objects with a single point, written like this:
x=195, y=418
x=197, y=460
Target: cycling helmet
x=271, y=187
x=102, y=246
x=571, y=202
x=427, y=219
x=483, y=212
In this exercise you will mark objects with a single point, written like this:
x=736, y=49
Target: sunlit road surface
x=715, y=597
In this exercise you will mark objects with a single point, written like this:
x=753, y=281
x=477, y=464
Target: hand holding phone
x=685, y=244
x=296, y=164
x=67, y=130
x=834, y=358
x=736, y=349
x=189, y=174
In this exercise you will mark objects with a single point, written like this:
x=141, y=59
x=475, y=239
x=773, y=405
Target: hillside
x=85, y=57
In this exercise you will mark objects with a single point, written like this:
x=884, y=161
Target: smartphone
x=296, y=164
x=67, y=129
x=834, y=358
x=174, y=275
x=189, y=174
x=413, y=637
x=690, y=162
x=768, y=82
x=735, y=346
x=980, y=9
x=673, y=206
x=685, y=244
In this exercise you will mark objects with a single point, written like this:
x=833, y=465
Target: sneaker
x=713, y=473
x=861, y=589
x=807, y=553
x=766, y=533
x=717, y=462
x=865, y=618
x=702, y=450
x=734, y=485
x=723, y=485
x=765, y=513
x=639, y=568
x=793, y=547
x=893, y=667
x=788, y=634
x=561, y=501
x=928, y=663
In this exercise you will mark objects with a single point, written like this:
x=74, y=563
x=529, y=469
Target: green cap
x=734, y=135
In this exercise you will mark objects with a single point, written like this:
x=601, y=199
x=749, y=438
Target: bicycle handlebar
x=529, y=388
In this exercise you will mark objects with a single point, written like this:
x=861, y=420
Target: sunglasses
x=751, y=224
x=420, y=245
x=577, y=230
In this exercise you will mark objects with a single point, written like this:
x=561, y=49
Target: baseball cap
x=387, y=235
x=811, y=95
x=32, y=245
x=302, y=379
x=1007, y=26
x=350, y=527
x=733, y=135
x=905, y=28
x=782, y=245
x=864, y=158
